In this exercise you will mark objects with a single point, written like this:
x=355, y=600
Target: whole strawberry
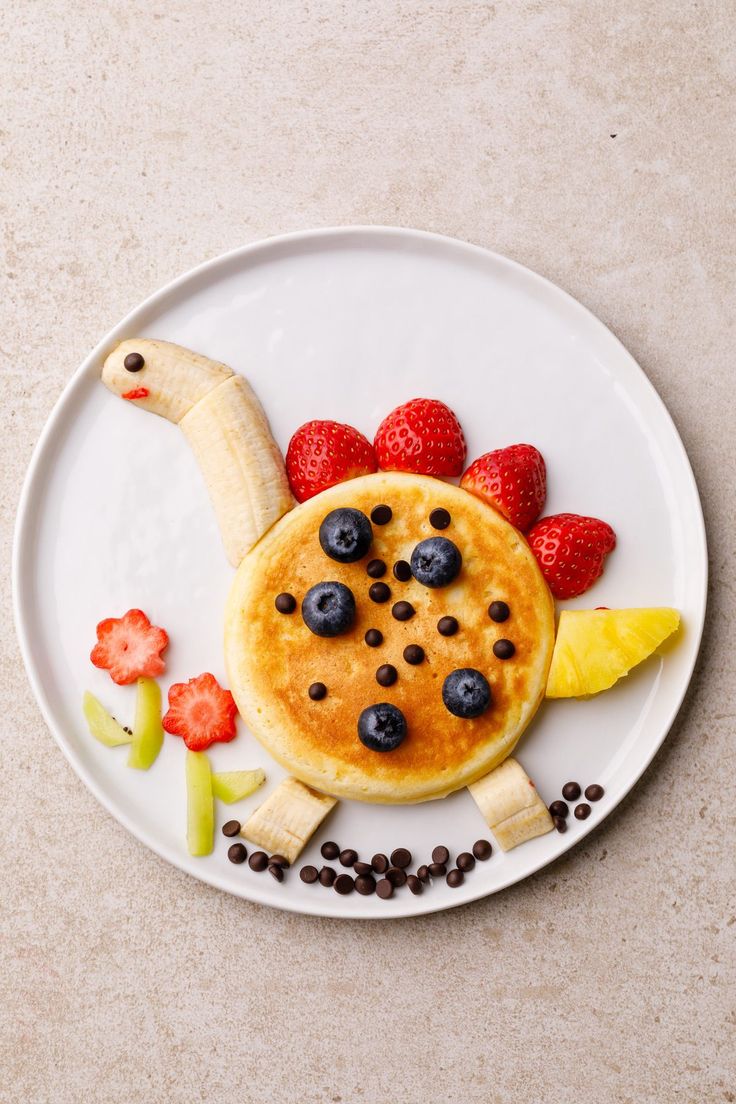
x=421, y=436
x=513, y=480
x=323, y=453
x=571, y=550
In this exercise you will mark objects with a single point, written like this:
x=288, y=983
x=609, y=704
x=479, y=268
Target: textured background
x=592, y=141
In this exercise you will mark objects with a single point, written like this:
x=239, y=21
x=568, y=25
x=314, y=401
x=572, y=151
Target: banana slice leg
x=510, y=805
x=288, y=819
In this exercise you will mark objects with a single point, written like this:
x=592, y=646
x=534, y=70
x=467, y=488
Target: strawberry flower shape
x=129, y=647
x=201, y=712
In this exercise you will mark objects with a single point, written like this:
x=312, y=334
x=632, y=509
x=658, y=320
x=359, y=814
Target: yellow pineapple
x=595, y=648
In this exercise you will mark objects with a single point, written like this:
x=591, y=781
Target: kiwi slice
x=101, y=725
x=200, y=804
x=148, y=734
x=229, y=786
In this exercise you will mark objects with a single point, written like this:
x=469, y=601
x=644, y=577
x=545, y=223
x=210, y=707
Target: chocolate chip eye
x=133, y=362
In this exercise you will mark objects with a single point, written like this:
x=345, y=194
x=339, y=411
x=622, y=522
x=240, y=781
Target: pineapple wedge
x=595, y=648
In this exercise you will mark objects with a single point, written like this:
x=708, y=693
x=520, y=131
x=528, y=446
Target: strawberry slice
x=513, y=480
x=201, y=712
x=129, y=647
x=422, y=436
x=323, y=453
x=571, y=551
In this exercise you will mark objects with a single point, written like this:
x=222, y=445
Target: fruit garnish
x=595, y=648
x=323, y=453
x=129, y=647
x=101, y=725
x=571, y=550
x=513, y=480
x=201, y=712
x=148, y=734
x=421, y=436
x=288, y=818
x=230, y=786
x=200, y=804
x=511, y=806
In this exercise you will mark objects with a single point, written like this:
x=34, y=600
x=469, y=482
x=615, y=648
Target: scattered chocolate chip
x=455, y=878
x=582, y=811
x=379, y=592
x=348, y=857
x=440, y=854
x=362, y=868
x=237, y=853
x=329, y=850
x=317, y=691
x=403, y=611
x=309, y=874
x=381, y=515
x=373, y=638
x=232, y=828
x=594, y=792
x=414, y=654
x=276, y=871
x=559, y=809
x=344, y=884
x=465, y=861
x=279, y=860
x=437, y=870
x=401, y=857
x=447, y=626
x=384, y=889
x=571, y=791
x=560, y=823
x=327, y=876
x=414, y=884
x=482, y=850
x=386, y=675
x=402, y=571
x=439, y=519
x=258, y=861
x=133, y=362
x=498, y=611
x=376, y=569
x=365, y=884
x=396, y=876
x=503, y=649
x=285, y=603
x=423, y=873
x=380, y=863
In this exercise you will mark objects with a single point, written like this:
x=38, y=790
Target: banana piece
x=511, y=806
x=287, y=819
x=174, y=378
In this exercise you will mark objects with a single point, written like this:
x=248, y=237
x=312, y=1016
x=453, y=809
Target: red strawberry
x=129, y=646
x=512, y=479
x=570, y=550
x=321, y=454
x=421, y=436
x=201, y=712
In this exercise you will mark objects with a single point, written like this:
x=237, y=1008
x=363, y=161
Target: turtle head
x=158, y=376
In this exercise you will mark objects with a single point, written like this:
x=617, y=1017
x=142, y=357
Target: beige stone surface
x=593, y=141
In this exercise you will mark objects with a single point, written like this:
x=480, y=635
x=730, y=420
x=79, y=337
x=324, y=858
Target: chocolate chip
x=133, y=362
x=594, y=792
x=309, y=874
x=482, y=850
x=381, y=515
x=348, y=857
x=386, y=675
x=279, y=860
x=285, y=603
x=396, y=876
x=414, y=654
x=414, y=884
x=276, y=871
x=440, y=854
x=402, y=571
x=401, y=857
x=365, y=884
x=447, y=626
x=362, y=868
x=423, y=873
x=379, y=592
x=380, y=863
x=560, y=823
x=232, y=828
x=403, y=611
x=376, y=569
x=329, y=850
x=258, y=861
x=237, y=853
x=465, y=861
x=384, y=889
x=373, y=638
x=503, y=649
x=344, y=884
x=439, y=519
x=455, y=878
x=498, y=611
x=559, y=809
x=437, y=870
x=571, y=791
x=582, y=811
x=317, y=691
x=327, y=876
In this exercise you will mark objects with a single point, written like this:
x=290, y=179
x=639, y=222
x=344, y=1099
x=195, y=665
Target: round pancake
x=272, y=658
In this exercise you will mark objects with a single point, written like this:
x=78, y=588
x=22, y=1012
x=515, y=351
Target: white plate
x=345, y=324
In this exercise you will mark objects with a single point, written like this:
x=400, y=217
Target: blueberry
x=381, y=727
x=345, y=535
x=328, y=609
x=435, y=562
x=466, y=692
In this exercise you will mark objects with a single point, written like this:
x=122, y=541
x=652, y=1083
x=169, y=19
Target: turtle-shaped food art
x=388, y=640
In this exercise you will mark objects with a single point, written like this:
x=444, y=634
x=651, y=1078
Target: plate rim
x=414, y=906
